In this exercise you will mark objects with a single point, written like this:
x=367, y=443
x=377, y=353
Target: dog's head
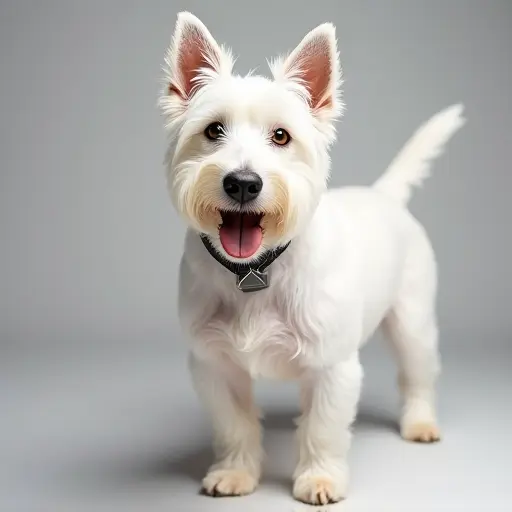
x=248, y=159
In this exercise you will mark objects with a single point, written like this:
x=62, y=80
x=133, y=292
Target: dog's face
x=248, y=159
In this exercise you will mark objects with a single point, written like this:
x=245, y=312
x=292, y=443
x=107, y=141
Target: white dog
x=248, y=166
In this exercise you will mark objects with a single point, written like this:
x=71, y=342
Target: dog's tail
x=412, y=164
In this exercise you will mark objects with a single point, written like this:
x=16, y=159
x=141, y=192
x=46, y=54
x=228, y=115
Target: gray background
x=97, y=409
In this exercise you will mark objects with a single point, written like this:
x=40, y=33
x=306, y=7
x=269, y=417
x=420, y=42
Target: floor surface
x=123, y=431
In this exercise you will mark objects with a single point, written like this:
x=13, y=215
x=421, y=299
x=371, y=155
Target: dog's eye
x=214, y=131
x=281, y=137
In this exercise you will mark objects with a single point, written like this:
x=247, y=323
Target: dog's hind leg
x=411, y=328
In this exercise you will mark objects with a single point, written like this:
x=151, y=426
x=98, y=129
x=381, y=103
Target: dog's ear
x=314, y=66
x=193, y=59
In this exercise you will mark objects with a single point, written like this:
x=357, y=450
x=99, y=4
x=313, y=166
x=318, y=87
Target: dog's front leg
x=329, y=402
x=226, y=391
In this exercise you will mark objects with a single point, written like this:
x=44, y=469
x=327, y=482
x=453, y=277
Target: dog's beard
x=242, y=232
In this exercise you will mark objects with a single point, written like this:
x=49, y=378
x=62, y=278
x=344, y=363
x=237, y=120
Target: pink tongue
x=240, y=241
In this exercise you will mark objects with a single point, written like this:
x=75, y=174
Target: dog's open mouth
x=241, y=233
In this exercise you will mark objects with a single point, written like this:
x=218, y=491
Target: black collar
x=251, y=277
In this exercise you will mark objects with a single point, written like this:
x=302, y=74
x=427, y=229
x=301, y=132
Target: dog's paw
x=421, y=432
x=228, y=482
x=318, y=489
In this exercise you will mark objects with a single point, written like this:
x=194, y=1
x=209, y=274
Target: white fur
x=357, y=260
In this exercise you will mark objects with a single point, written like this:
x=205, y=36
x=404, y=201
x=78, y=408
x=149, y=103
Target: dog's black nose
x=242, y=186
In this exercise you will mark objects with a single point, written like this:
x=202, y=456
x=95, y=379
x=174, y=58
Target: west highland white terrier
x=281, y=278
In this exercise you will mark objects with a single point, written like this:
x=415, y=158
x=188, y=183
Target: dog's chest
x=258, y=335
